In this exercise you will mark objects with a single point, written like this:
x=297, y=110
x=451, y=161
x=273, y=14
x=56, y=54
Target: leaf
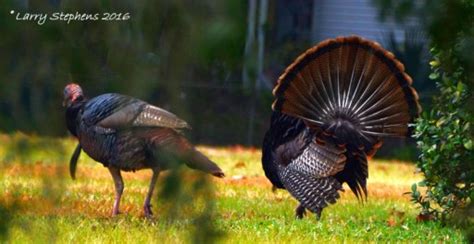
x=460, y=87
x=468, y=144
x=434, y=76
x=440, y=122
x=434, y=63
x=466, y=127
x=416, y=195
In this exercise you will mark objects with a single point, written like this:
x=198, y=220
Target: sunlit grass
x=49, y=206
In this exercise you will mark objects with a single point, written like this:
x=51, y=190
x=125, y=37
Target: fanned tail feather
x=351, y=89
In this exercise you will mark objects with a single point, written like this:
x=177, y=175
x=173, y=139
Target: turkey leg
x=147, y=205
x=118, y=181
x=318, y=213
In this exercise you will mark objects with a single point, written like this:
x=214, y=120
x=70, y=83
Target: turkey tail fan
x=349, y=86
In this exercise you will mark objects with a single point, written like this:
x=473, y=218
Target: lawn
x=42, y=204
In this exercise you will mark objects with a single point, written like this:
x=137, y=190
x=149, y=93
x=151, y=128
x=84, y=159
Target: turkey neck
x=72, y=114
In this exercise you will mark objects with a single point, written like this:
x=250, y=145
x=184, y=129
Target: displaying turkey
x=333, y=106
x=125, y=133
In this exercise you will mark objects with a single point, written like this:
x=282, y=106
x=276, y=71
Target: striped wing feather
x=118, y=111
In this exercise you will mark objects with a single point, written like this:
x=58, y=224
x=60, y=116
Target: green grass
x=48, y=206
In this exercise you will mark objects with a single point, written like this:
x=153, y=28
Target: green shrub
x=444, y=136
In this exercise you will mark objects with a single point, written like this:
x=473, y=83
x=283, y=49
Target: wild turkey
x=333, y=105
x=125, y=133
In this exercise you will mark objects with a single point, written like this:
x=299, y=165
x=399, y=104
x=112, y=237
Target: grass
x=45, y=205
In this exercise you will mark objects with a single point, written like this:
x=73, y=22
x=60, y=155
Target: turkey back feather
x=118, y=111
x=351, y=89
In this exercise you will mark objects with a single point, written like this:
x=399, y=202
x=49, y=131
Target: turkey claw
x=147, y=211
x=300, y=212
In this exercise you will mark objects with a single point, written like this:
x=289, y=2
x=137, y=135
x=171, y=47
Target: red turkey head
x=72, y=93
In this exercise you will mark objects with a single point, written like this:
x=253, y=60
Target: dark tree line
x=182, y=55
x=213, y=63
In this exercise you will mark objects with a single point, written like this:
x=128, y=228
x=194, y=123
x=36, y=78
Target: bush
x=444, y=136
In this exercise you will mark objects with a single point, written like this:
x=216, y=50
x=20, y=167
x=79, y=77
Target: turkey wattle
x=333, y=105
x=125, y=133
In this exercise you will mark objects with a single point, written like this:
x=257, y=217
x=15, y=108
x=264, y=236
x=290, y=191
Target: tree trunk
x=252, y=9
x=262, y=19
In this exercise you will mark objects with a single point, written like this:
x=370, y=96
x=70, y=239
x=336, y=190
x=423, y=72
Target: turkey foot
x=318, y=213
x=300, y=211
x=115, y=212
x=147, y=211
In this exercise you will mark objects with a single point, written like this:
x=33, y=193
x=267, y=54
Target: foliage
x=445, y=132
x=444, y=137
